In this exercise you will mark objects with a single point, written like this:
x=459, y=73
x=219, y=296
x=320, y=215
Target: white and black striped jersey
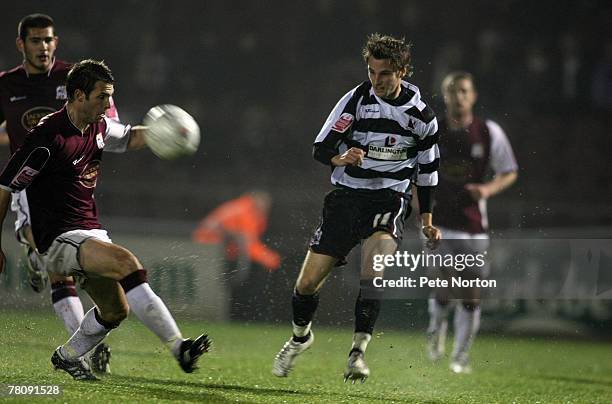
x=398, y=136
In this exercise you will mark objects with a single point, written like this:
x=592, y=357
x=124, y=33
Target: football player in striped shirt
x=377, y=137
x=472, y=147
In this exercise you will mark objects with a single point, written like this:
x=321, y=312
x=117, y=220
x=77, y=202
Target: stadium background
x=262, y=77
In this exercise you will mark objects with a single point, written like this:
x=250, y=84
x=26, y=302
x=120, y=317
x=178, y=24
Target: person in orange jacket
x=239, y=223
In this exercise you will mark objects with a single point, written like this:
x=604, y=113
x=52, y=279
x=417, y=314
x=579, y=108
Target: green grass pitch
x=519, y=370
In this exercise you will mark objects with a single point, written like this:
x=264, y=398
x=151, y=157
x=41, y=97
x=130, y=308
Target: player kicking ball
x=58, y=166
x=378, y=136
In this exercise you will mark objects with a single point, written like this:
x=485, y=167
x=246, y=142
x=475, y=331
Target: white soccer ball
x=171, y=132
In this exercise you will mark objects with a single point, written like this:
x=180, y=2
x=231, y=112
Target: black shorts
x=352, y=215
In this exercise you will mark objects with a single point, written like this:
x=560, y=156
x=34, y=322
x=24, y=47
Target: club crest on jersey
x=61, y=93
x=477, y=151
x=89, y=175
x=32, y=116
x=100, y=141
x=343, y=123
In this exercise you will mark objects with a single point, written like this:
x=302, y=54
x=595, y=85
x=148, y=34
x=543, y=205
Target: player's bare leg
x=367, y=307
x=100, y=259
x=315, y=269
x=118, y=263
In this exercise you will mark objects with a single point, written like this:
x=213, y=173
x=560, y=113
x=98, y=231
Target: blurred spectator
x=239, y=224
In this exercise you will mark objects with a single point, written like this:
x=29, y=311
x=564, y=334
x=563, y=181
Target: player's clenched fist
x=352, y=157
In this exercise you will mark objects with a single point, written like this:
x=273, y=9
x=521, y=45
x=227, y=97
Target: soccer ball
x=171, y=132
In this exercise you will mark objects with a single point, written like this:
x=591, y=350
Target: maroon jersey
x=26, y=98
x=58, y=166
x=468, y=156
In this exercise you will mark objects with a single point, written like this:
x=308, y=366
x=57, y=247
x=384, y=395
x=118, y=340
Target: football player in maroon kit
x=472, y=147
x=36, y=88
x=58, y=166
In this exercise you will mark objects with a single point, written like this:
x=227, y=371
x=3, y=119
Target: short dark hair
x=397, y=50
x=34, y=21
x=84, y=76
x=451, y=78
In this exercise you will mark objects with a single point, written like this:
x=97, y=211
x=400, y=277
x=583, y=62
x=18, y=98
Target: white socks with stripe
x=438, y=318
x=467, y=323
x=70, y=311
x=361, y=341
x=87, y=336
x=153, y=313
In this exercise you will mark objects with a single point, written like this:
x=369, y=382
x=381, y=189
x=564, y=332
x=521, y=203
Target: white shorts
x=63, y=255
x=477, y=242
x=19, y=205
x=456, y=242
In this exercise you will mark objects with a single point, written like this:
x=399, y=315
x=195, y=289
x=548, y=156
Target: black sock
x=303, y=339
x=366, y=313
x=304, y=307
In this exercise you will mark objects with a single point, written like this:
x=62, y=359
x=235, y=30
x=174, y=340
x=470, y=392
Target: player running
x=58, y=166
x=471, y=147
x=377, y=136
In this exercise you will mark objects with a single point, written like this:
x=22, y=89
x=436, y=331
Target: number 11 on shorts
x=381, y=219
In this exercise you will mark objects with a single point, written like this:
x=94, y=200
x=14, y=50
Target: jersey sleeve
x=428, y=153
x=27, y=162
x=112, y=112
x=502, y=158
x=336, y=128
x=117, y=136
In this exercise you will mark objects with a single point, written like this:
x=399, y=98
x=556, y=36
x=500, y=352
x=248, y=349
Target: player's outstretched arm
x=137, y=138
x=5, y=198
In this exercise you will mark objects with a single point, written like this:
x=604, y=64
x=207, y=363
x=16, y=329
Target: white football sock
x=87, y=336
x=467, y=323
x=301, y=330
x=70, y=311
x=438, y=318
x=153, y=313
x=361, y=341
